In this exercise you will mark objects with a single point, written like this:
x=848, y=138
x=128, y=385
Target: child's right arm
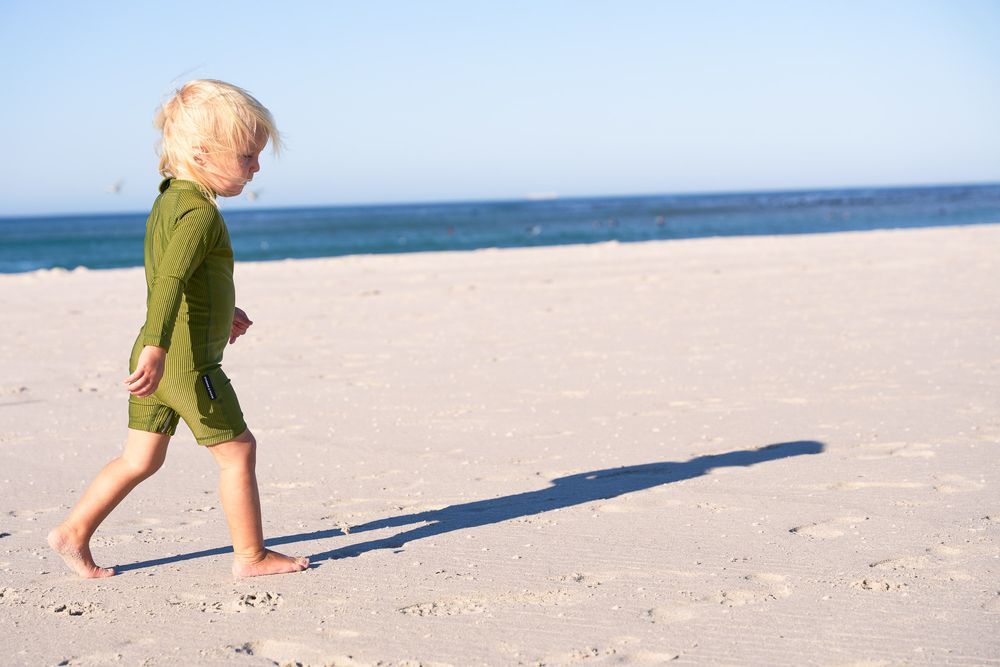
x=195, y=233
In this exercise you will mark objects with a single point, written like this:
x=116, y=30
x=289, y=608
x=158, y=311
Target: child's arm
x=195, y=233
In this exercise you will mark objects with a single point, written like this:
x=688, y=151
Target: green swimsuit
x=190, y=300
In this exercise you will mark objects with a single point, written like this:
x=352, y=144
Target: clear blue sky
x=434, y=101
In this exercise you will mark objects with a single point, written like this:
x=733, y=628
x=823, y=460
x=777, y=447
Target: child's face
x=229, y=174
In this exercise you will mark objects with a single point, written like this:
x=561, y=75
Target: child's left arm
x=240, y=325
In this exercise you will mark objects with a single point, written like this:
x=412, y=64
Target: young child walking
x=212, y=136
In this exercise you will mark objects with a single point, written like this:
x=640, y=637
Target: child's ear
x=198, y=159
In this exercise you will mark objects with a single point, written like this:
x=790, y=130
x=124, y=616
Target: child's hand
x=240, y=325
x=148, y=371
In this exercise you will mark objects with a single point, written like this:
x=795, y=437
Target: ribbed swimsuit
x=190, y=300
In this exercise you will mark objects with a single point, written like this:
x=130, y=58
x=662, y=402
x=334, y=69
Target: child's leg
x=144, y=454
x=237, y=461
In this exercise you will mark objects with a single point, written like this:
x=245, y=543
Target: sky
x=395, y=102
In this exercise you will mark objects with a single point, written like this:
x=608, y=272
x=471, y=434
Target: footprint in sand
x=935, y=556
x=763, y=587
x=259, y=600
x=711, y=507
x=655, y=657
x=206, y=508
x=934, y=560
x=881, y=585
x=588, y=580
x=32, y=514
x=906, y=450
x=826, y=530
x=196, y=602
x=99, y=658
x=87, y=609
x=285, y=486
x=904, y=563
x=462, y=605
x=181, y=527
x=342, y=632
x=957, y=484
x=758, y=588
x=10, y=596
x=586, y=653
x=855, y=486
x=453, y=607
x=935, y=563
x=91, y=386
x=615, y=508
x=944, y=551
x=674, y=613
x=254, y=600
x=113, y=540
x=621, y=653
x=282, y=652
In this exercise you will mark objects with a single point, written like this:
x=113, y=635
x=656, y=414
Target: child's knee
x=249, y=442
x=249, y=438
x=143, y=466
x=240, y=451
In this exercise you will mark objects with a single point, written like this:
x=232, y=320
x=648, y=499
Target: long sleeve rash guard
x=190, y=294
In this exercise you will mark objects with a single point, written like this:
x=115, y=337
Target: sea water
x=116, y=240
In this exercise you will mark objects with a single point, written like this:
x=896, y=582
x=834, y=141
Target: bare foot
x=76, y=554
x=271, y=563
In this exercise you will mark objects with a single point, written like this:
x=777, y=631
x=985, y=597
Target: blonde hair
x=207, y=116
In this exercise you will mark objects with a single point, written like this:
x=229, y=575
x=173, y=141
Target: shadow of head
x=651, y=474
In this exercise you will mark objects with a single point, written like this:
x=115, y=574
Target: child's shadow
x=564, y=492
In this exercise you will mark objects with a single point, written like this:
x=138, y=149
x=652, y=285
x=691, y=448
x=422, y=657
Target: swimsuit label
x=208, y=387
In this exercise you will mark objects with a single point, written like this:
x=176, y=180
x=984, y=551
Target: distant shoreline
x=231, y=206
x=114, y=241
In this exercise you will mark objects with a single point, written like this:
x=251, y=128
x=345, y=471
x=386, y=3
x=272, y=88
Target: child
x=213, y=134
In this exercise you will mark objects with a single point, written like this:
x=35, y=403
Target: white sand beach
x=740, y=451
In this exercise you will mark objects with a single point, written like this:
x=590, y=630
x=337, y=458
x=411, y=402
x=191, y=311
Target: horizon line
x=526, y=199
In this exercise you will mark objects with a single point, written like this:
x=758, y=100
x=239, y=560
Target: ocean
x=116, y=240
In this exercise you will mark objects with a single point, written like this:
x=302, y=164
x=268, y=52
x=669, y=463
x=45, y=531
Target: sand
x=755, y=451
